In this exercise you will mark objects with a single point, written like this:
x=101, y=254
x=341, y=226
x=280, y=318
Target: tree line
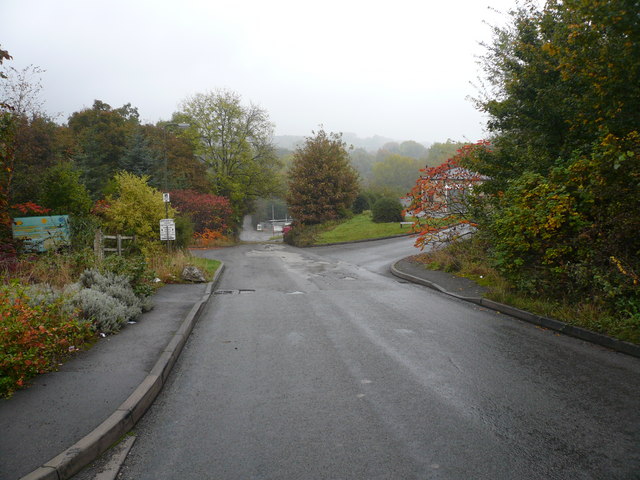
x=213, y=146
x=559, y=203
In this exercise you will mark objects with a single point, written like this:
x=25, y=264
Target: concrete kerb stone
x=42, y=473
x=360, y=241
x=91, y=446
x=422, y=281
x=141, y=399
x=165, y=363
x=545, y=322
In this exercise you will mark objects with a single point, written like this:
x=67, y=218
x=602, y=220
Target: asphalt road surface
x=315, y=364
x=249, y=234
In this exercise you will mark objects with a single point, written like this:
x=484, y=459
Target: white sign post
x=167, y=229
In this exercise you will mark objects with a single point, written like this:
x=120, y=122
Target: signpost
x=167, y=225
x=167, y=229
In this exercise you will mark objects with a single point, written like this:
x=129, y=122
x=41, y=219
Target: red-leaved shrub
x=35, y=338
x=208, y=212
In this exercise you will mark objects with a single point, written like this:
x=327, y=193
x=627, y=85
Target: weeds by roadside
x=469, y=258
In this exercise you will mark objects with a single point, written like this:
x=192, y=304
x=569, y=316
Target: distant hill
x=371, y=144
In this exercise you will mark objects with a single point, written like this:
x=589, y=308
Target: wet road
x=249, y=234
x=315, y=364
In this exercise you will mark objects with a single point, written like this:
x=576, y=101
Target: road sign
x=165, y=198
x=167, y=229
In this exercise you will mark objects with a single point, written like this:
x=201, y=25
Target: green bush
x=63, y=192
x=360, y=204
x=135, y=209
x=387, y=210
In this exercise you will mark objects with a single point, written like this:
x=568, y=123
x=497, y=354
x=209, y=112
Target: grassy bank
x=469, y=259
x=360, y=227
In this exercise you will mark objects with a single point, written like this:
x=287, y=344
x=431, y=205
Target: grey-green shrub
x=108, y=300
x=42, y=294
x=105, y=312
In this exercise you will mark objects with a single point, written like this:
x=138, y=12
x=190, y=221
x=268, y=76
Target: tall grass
x=53, y=268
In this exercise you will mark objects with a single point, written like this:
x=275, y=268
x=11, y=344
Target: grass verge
x=359, y=227
x=208, y=266
x=468, y=258
x=169, y=267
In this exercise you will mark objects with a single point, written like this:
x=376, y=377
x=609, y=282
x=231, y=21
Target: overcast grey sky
x=401, y=69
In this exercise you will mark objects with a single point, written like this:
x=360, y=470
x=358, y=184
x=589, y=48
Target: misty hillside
x=371, y=144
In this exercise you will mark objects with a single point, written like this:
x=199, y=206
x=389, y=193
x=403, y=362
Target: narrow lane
x=312, y=367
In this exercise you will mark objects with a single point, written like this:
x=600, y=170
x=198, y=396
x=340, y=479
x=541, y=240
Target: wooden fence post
x=98, y=245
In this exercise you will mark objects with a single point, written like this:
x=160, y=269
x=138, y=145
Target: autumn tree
x=557, y=79
x=7, y=146
x=235, y=142
x=442, y=199
x=28, y=135
x=322, y=183
x=563, y=101
x=22, y=90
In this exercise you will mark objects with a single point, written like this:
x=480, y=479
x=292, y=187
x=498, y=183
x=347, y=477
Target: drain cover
x=234, y=292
